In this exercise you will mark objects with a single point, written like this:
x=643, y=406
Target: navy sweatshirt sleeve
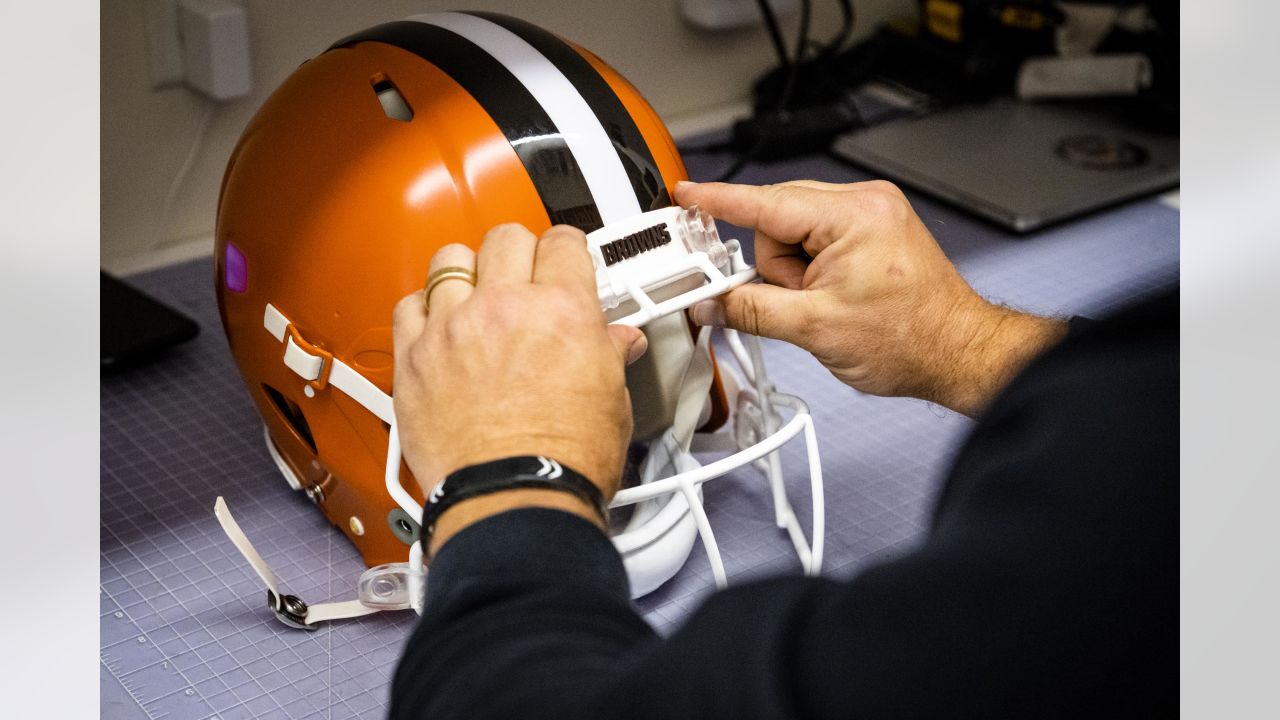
x=1046, y=587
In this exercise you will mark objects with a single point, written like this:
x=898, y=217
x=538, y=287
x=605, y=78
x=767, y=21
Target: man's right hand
x=857, y=280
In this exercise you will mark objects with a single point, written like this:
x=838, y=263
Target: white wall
x=163, y=151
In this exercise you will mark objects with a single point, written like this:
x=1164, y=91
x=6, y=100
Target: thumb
x=758, y=309
x=628, y=341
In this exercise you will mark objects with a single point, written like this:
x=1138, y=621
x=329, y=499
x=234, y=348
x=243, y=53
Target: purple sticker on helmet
x=237, y=272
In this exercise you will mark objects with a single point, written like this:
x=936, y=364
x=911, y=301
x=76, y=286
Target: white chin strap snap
x=647, y=267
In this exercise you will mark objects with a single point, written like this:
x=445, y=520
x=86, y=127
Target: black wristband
x=513, y=473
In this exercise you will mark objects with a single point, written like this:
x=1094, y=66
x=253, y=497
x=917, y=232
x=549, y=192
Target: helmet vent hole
x=393, y=103
x=292, y=414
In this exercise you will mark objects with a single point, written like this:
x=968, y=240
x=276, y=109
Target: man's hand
x=857, y=280
x=521, y=364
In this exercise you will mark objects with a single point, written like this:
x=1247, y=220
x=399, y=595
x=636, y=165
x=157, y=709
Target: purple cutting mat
x=184, y=629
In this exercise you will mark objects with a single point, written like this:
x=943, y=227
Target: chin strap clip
x=290, y=610
x=386, y=587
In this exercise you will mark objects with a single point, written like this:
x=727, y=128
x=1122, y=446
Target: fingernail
x=684, y=185
x=637, y=349
x=708, y=313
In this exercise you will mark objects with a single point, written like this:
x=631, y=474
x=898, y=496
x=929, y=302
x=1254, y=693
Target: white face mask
x=648, y=268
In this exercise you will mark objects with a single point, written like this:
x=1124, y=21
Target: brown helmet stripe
x=633, y=151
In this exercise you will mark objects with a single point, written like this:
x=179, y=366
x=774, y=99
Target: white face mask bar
x=758, y=434
x=649, y=266
x=680, y=249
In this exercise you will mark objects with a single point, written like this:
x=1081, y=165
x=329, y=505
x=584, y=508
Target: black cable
x=836, y=43
x=802, y=49
x=775, y=33
x=788, y=87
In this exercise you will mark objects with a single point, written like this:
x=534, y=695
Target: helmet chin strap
x=394, y=586
x=289, y=609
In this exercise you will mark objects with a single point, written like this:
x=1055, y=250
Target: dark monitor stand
x=137, y=328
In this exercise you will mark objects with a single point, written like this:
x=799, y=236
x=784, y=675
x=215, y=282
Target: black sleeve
x=1046, y=587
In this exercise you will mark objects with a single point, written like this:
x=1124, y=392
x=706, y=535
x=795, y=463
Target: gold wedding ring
x=452, y=272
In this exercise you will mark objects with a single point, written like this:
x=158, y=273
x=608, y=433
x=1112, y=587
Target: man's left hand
x=520, y=364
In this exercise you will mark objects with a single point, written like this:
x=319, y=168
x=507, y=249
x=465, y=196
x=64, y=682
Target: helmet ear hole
x=292, y=414
x=393, y=104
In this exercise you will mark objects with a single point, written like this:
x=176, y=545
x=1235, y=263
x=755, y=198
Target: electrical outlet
x=203, y=44
x=215, y=47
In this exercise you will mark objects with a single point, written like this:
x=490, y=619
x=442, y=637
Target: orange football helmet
x=414, y=134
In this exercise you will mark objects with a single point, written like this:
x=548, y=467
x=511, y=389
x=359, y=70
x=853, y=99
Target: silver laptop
x=1020, y=164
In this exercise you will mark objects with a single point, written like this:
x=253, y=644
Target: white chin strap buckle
x=390, y=587
x=662, y=261
x=395, y=586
